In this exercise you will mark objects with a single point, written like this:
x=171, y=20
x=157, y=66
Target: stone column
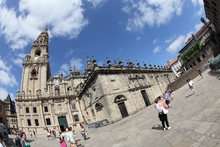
x=69, y=110
x=52, y=111
x=41, y=114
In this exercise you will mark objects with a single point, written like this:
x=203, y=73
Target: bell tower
x=36, y=68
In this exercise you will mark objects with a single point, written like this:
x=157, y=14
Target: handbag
x=165, y=110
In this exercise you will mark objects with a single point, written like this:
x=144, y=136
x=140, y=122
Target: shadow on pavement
x=214, y=74
x=80, y=145
x=188, y=96
x=29, y=140
x=157, y=127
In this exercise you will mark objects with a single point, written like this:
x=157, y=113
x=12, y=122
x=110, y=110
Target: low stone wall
x=190, y=74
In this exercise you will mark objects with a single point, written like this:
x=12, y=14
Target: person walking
x=162, y=112
x=70, y=138
x=191, y=85
x=62, y=140
x=48, y=134
x=24, y=142
x=83, y=131
x=18, y=140
x=31, y=133
x=200, y=72
x=34, y=133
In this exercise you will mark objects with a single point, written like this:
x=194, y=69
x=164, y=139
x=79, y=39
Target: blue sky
x=149, y=31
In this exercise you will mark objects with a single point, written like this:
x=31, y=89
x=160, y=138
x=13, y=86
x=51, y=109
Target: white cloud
x=200, y=4
x=74, y=63
x=176, y=44
x=198, y=26
x=17, y=61
x=21, y=26
x=3, y=66
x=6, y=77
x=3, y=93
x=96, y=3
x=77, y=63
x=150, y=12
x=21, y=55
x=156, y=49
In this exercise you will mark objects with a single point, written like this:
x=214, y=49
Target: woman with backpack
x=70, y=138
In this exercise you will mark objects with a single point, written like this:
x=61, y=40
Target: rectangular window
x=73, y=106
x=76, y=117
x=29, y=122
x=48, y=121
x=45, y=109
x=34, y=110
x=27, y=110
x=36, y=122
x=0, y=108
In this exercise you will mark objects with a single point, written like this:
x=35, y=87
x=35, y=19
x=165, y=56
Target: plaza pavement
x=195, y=122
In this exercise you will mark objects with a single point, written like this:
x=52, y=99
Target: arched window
x=120, y=98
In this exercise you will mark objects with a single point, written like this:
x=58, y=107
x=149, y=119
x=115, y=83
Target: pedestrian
x=24, y=142
x=200, y=72
x=31, y=133
x=2, y=144
x=34, y=133
x=62, y=140
x=83, y=131
x=48, y=134
x=18, y=140
x=54, y=134
x=166, y=96
x=162, y=112
x=70, y=138
x=191, y=85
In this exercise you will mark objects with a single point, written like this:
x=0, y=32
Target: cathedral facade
x=108, y=93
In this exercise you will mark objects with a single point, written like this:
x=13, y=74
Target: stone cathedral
x=102, y=94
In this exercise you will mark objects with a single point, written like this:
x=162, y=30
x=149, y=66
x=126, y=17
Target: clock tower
x=36, y=68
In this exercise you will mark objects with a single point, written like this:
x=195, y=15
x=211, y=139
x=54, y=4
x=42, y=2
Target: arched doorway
x=121, y=105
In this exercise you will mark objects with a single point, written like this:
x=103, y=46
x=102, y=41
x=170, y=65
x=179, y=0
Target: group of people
x=32, y=133
x=163, y=110
x=165, y=99
x=51, y=133
x=71, y=136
